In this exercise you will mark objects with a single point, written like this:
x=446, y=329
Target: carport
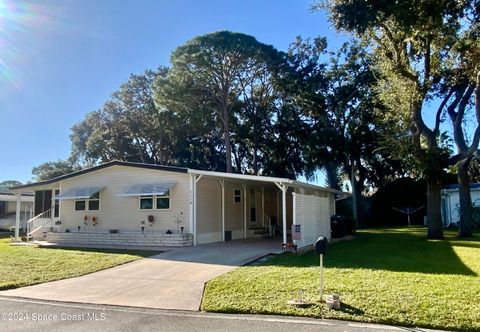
x=257, y=200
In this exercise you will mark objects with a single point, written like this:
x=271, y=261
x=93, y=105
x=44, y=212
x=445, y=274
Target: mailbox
x=321, y=245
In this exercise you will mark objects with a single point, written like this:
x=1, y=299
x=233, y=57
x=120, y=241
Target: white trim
x=195, y=181
x=290, y=183
x=222, y=184
x=154, y=203
x=263, y=206
x=294, y=212
x=146, y=197
x=17, y=218
x=284, y=212
x=244, y=186
x=190, y=217
x=87, y=204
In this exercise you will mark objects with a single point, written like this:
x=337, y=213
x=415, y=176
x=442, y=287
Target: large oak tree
x=412, y=41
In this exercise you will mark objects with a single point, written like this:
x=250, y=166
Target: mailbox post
x=321, y=249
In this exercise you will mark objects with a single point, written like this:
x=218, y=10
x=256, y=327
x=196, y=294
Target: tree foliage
x=53, y=169
x=412, y=42
x=219, y=68
x=9, y=183
x=127, y=127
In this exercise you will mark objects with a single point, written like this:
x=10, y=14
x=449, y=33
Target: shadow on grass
x=392, y=250
x=348, y=309
x=134, y=252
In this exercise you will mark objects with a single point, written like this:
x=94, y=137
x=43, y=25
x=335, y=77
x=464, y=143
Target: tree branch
x=438, y=116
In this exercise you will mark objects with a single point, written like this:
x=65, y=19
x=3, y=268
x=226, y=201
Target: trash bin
x=339, y=226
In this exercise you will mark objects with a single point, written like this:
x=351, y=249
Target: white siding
x=123, y=213
x=209, y=211
x=234, y=211
x=313, y=214
x=452, y=206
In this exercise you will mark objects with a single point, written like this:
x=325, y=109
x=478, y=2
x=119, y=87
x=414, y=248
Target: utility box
x=321, y=245
x=296, y=232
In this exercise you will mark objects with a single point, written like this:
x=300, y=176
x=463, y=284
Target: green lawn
x=28, y=265
x=391, y=276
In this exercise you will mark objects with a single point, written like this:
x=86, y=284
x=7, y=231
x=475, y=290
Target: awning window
x=79, y=193
x=148, y=189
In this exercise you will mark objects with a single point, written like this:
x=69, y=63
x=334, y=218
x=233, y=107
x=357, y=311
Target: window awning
x=78, y=193
x=148, y=189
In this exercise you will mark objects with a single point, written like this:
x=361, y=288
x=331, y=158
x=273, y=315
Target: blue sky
x=62, y=59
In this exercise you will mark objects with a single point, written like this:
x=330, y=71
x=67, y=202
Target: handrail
x=44, y=215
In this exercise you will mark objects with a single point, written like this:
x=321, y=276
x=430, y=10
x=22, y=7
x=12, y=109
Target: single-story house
x=143, y=204
x=451, y=202
x=8, y=208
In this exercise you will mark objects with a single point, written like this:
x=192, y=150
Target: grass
x=29, y=265
x=390, y=276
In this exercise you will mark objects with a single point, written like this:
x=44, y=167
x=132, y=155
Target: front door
x=43, y=201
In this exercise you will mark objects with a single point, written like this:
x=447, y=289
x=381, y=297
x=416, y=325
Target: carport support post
x=222, y=184
x=283, y=188
x=284, y=212
x=17, y=218
x=195, y=181
x=263, y=206
x=192, y=193
x=244, y=186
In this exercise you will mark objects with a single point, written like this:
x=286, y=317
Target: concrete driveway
x=171, y=280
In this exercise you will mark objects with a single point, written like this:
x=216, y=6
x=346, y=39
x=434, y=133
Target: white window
x=90, y=204
x=146, y=202
x=157, y=202
x=163, y=201
x=237, y=196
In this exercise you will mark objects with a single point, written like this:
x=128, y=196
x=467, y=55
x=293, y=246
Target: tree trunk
x=465, y=229
x=255, y=142
x=226, y=138
x=355, y=193
x=434, y=216
x=332, y=177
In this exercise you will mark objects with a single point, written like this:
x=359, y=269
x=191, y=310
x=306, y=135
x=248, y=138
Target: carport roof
x=269, y=179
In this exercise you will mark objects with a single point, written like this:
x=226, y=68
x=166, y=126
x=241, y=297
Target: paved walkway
x=171, y=280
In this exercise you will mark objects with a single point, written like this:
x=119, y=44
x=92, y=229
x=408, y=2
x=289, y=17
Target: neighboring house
x=451, y=202
x=111, y=203
x=8, y=207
